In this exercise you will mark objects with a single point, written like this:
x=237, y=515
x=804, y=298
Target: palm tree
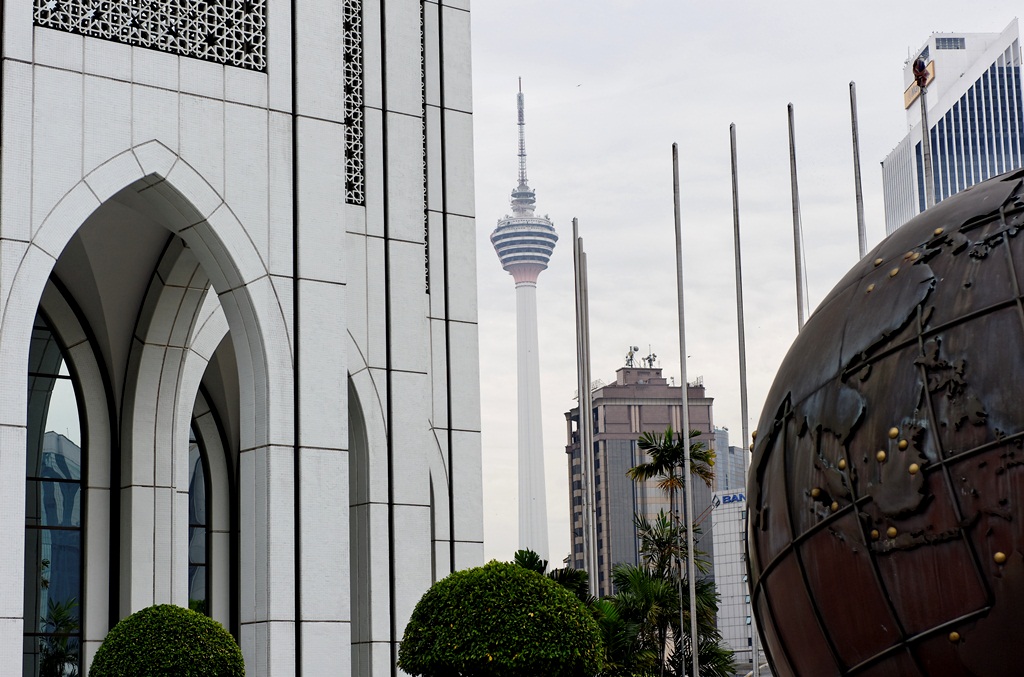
x=662, y=551
x=668, y=456
x=574, y=580
x=650, y=601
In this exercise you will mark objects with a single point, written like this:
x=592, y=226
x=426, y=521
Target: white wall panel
x=462, y=298
x=410, y=341
x=459, y=162
x=458, y=76
x=202, y=78
x=16, y=159
x=325, y=536
x=151, y=67
x=107, y=119
x=107, y=59
x=465, y=376
x=56, y=138
x=59, y=49
x=247, y=171
x=322, y=366
x=279, y=193
x=321, y=200
x=403, y=76
x=466, y=471
x=155, y=116
x=405, y=177
x=202, y=138
x=412, y=438
x=319, y=81
x=246, y=87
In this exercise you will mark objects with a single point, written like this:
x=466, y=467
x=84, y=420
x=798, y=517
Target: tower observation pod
x=524, y=243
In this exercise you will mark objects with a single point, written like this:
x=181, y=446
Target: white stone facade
x=191, y=233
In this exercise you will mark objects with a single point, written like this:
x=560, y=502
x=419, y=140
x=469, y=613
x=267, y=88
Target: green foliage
x=168, y=640
x=528, y=559
x=58, y=649
x=668, y=457
x=500, y=620
x=574, y=580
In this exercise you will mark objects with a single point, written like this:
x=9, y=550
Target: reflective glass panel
x=53, y=513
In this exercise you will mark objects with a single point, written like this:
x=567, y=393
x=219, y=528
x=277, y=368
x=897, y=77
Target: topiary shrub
x=168, y=640
x=500, y=620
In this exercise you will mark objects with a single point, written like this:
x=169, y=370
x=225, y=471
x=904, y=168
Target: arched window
x=197, y=525
x=53, y=511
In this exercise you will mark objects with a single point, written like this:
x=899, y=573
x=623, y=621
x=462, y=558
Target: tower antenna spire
x=522, y=135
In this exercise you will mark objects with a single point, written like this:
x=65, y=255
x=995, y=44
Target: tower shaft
x=533, y=525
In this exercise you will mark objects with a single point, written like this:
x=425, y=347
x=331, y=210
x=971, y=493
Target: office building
x=238, y=286
x=730, y=463
x=729, y=517
x=524, y=242
x=975, y=119
x=640, y=400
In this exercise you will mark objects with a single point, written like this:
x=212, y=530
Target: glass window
x=197, y=526
x=950, y=43
x=53, y=512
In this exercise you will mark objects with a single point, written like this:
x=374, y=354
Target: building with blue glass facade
x=975, y=119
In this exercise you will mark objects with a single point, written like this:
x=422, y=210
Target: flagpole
x=862, y=238
x=798, y=236
x=685, y=432
x=742, y=340
x=583, y=400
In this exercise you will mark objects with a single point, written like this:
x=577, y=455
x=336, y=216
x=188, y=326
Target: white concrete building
x=237, y=277
x=975, y=117
x=728, y=519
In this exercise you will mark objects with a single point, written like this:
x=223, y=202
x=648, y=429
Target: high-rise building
x=730, y=463
x=975, y=119
x=640, y=400
x=524, y=243
x=729, y=520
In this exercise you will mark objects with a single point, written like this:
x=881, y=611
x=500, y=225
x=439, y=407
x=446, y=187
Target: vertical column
x=321, y=464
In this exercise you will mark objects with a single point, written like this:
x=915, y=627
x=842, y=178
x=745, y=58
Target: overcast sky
x=609, y=87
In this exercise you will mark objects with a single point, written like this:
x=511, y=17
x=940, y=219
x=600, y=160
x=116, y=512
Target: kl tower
x=524, y=243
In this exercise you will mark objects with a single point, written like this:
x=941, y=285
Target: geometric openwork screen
x=352, y=44
x=231, y=32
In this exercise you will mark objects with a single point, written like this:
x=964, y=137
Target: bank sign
x=726, y=499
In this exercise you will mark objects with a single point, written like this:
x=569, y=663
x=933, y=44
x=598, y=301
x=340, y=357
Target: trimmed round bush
x=168, y=640
x=500, y=620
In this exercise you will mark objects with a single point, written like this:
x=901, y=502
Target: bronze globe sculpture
x=886, y=526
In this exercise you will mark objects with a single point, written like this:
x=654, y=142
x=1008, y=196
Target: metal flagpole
x=921, y=78
x=862, y=238
x=741, y=334
x=583, y=400
x=589, y=399
x=685, y=432
x=798, y=236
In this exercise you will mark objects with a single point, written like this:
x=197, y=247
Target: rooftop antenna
x=522, y=135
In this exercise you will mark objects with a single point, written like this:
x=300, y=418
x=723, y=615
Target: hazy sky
x=609, y=87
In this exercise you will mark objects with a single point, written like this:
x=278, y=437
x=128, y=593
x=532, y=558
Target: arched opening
x=178, y=381
x=54, y=482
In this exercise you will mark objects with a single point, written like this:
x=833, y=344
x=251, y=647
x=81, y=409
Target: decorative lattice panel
x=232, y=32
x=423, y=93
x=355, y=175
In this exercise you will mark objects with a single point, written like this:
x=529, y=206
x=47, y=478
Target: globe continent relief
x=886, y=532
